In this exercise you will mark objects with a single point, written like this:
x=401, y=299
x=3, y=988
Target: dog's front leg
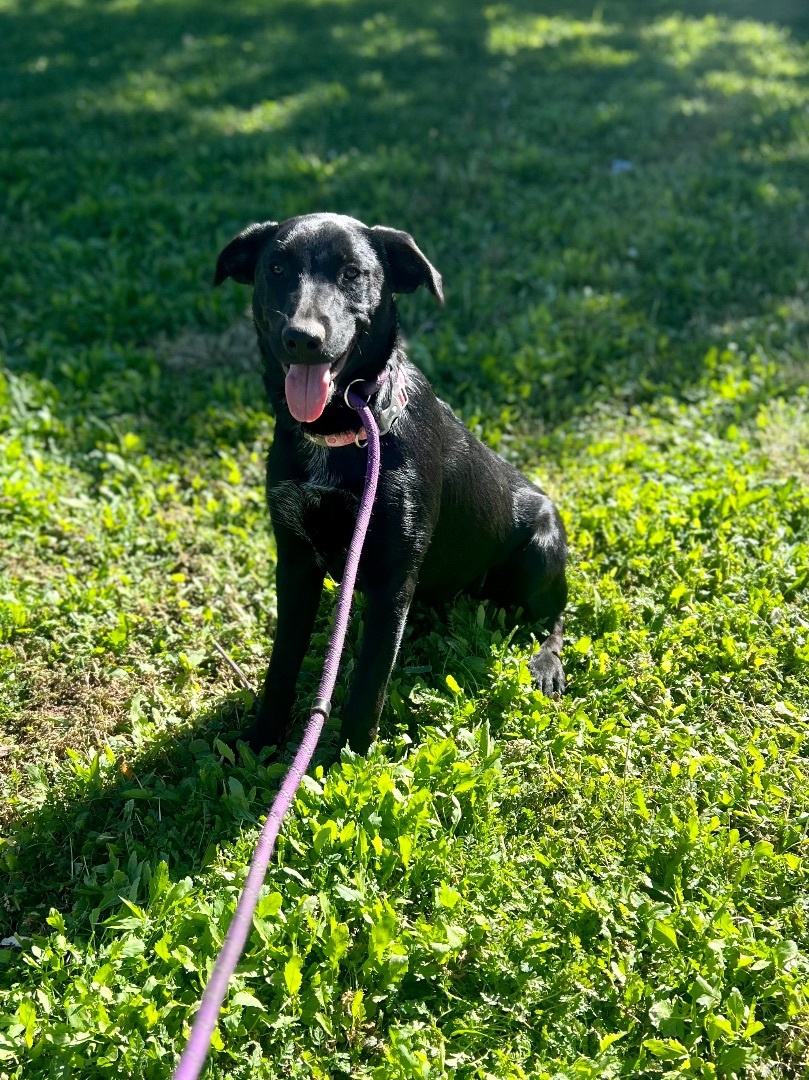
x=385, y=615
x=299, y=583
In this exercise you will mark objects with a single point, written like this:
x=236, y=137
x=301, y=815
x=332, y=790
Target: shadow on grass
x=97, y=834
x=88, y=844
x=607, y=195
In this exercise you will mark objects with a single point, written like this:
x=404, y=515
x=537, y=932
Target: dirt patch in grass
x=67, y=709
x=785, y=439
x=233, y=350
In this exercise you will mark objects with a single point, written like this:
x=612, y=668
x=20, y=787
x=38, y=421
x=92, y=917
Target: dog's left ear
x=238, y=259
x=407, y=266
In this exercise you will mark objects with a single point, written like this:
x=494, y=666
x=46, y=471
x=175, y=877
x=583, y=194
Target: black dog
x=450, y=515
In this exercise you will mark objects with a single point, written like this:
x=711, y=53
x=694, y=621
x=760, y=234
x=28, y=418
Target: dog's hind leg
x=533, y=578
x=546, y=663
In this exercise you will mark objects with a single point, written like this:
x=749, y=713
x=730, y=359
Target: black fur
x=450, y=515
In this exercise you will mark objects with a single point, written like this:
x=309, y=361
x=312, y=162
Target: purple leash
x=196, y=1049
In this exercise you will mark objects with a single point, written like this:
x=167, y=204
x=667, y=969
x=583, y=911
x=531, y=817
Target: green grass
x=615, y=884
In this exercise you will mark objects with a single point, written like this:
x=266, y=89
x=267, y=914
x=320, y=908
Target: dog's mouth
x=308, y=387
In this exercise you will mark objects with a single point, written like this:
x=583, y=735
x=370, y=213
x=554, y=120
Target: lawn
x=615, y=884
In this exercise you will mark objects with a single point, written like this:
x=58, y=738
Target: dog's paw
x=357, y=740
x=260, y=734
x=547, y=672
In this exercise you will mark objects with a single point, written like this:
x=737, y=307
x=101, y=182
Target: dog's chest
x=319, y=469
x=317, y=510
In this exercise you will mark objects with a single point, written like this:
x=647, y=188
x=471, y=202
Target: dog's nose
x=303, y=340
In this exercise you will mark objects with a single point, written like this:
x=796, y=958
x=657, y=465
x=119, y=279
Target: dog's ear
x=407, y=266
x=238, y=259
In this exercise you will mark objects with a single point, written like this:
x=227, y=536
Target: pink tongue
x=307, y=389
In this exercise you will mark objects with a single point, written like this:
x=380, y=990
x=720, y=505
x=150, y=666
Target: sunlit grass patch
x=763, y=48
x=272, y=115
x=383, y=35
x=508, y=32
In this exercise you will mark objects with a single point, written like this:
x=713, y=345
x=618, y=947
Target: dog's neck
x=392, y=387
x=337, y=416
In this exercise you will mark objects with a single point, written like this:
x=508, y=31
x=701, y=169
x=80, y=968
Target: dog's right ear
x=238, y=259
x=408, y=267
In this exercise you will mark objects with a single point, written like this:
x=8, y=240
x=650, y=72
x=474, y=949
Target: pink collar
x=386, y=419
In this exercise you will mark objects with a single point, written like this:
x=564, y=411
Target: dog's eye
x=277, y=268
x=351, y=272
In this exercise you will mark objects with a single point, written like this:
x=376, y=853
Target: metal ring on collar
x=345, y=394
x=357, y=442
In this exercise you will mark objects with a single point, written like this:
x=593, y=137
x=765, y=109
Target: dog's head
x=323, y=298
